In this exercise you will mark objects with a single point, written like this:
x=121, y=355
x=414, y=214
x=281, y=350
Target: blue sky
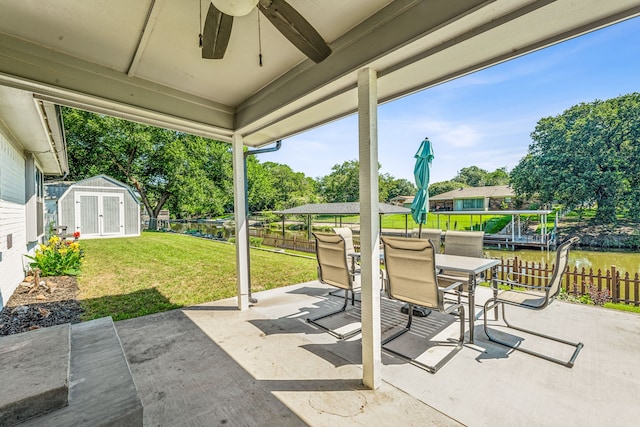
x=484, y=119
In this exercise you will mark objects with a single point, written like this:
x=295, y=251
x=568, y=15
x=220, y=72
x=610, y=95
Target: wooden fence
x=302, y=245
x=610, y=285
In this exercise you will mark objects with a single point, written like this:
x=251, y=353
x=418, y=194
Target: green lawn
x=397, y=221
x=131, y=277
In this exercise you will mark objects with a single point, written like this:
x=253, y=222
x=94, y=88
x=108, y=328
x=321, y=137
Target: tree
x=499, y=176
x=445, y=186
x=165, y=167
x=586, y=156
x=473, y=176
x=391, y=187
x=342, y=184
x=291, y=188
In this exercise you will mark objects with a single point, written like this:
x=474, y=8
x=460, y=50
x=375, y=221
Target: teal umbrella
x=420, y=205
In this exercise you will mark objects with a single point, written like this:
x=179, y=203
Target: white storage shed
x=100, y=207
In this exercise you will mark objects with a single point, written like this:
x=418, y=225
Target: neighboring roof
x=475, y=192
x=351, y=208
x=404, y=198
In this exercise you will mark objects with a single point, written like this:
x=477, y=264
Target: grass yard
x=131, y=277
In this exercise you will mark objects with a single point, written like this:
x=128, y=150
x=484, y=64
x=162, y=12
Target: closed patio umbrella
x=420, y=205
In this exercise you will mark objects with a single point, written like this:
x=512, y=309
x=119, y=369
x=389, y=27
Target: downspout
x=246, y=203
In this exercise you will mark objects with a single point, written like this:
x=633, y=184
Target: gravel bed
x=53, y=303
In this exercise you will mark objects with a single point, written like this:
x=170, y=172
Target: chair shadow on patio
x=344, y=352
x=344, y=322
x=519, y=338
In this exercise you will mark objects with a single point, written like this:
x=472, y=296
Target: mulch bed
x=53, y=304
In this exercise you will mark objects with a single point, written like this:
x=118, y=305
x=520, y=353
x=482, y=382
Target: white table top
x=464, y=264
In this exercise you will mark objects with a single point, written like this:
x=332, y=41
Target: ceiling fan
x=292, y=25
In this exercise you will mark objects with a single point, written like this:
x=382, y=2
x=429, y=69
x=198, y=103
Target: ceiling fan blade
x=216, y=33
x=296, y=29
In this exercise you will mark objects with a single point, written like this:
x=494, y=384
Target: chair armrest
x=528, y=275
x=517, y=284
x=451, y=287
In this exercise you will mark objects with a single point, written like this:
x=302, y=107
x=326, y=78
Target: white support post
x=240, y=211
x=369, y=228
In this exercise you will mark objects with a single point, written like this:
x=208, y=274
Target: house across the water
x=494, y=198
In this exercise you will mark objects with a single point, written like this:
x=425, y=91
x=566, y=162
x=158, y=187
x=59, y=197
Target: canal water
x=603, y=260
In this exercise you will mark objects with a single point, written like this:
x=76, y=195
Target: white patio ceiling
x=140, y=59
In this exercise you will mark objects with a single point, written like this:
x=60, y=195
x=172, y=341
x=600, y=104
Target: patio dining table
x=473, y=267
x=463, y=264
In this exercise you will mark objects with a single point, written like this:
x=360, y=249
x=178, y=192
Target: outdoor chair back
x=433, y=234
x=352, y=260
x=464, y=243
x=411, y=278
x=347, y=235
x=333, y=270
x=410, y=265
x=332, y=260
x=461, y=243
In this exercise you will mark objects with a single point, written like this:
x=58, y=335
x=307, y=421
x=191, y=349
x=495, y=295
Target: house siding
x=12, y=218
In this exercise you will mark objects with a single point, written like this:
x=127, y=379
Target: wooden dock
x=518, y=242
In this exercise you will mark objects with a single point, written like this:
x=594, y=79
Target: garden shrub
x=60, y=257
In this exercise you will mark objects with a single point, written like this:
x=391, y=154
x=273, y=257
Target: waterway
x=603, y=260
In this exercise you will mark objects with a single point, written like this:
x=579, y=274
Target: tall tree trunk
x=151, y=211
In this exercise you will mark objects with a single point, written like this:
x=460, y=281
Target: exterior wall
x=441, y=205
x=99, y=185
x=12, y=219
x=495, y=204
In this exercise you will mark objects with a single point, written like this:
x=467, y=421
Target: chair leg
x=353, y=294
x=569, y=363
x=431, y=369
x=314, y=320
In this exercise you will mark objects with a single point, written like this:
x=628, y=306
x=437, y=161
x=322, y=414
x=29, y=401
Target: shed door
x=99, y=214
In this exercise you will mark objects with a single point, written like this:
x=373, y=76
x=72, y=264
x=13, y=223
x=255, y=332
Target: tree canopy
x=167, y=168
x=474, y=176
x=342, y=184
x=192, y=176
x=588, y=155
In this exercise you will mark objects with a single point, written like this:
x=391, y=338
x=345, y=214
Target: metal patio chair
x=347, y=234
x=461, y=243
x=533, y=298
x=333, y=270
x=433, y=234
x=411, y=278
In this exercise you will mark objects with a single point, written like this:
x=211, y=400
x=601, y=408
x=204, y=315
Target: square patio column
x=240, y=212
x=369, y=227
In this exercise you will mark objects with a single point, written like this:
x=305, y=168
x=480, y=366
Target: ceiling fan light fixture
x=235, y=7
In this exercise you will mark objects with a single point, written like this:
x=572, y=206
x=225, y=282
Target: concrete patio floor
x=213, y=365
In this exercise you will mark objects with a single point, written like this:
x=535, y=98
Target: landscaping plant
x=59, y=258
